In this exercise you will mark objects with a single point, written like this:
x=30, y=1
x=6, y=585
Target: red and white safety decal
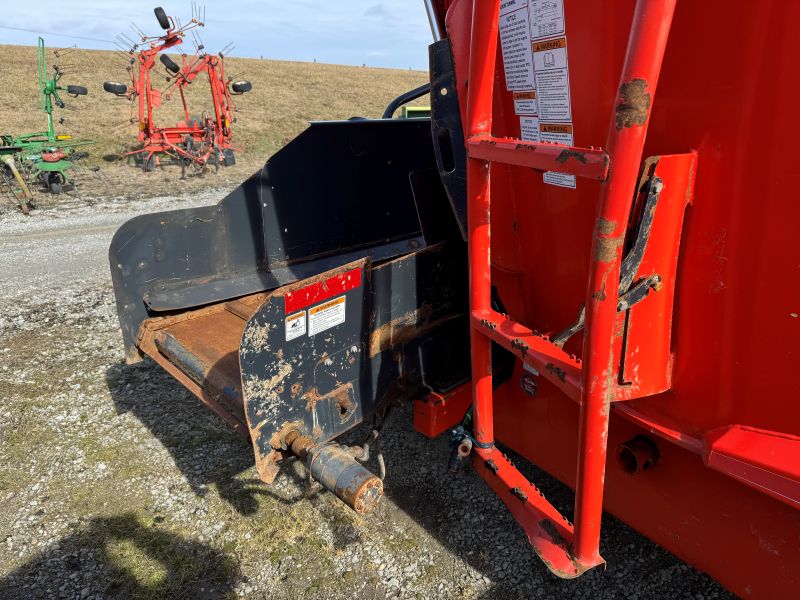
x=322, y=290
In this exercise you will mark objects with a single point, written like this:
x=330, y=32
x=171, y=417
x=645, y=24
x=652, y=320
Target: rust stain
x=606, y=226
x=635, y=105
x=605, y=248
x=488, y=324
x=403, y=329
x=601, y=293
x=520, y=345
x=278, y=439
x=567, y=154
x=557, y=371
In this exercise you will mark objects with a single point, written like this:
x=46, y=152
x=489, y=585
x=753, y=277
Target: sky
x=352, y=32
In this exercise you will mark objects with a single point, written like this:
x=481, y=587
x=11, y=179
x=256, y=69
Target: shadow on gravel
x=121, y=557
x=459, y=510
x=205, y=449
x=466, y=517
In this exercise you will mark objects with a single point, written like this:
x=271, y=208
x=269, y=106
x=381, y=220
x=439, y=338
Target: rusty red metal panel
x=591, y=163
x=733, y=293
x=550, y=533
x=647, y=351
x=551, y=362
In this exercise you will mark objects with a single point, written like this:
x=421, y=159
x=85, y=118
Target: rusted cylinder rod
x=336, y=469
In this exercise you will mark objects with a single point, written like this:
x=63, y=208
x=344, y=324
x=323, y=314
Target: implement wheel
x=169, y=64
x=54, y=181
x=162, y=17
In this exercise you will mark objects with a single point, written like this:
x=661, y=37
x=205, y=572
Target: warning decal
x=558, y=133
x=327, y=315
x=515, y=42
x=552, y=79
x=538, y=77
x=525, y=103
x=546, y=18
x=295, y=325
x=322, y=290
x=530, y=129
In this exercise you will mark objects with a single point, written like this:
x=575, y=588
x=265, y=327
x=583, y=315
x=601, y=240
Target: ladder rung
x=551, y=362
x=591, y=163
x=547, y=529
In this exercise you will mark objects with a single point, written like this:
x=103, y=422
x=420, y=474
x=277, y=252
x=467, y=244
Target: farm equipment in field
x=44, y=156
x=198, y=140
x=626, y=326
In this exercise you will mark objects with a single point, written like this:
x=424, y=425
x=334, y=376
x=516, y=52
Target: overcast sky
x=382, y=34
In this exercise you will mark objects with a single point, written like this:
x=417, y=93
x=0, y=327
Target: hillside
x=285, y=96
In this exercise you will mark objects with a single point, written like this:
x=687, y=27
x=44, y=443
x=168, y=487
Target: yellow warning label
x=327, y=305
x=565, y=128
x=326, y=315
x=550, y=45
x=295, y=325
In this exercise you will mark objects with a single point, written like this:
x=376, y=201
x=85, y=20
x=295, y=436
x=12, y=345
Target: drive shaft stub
x=336, y=469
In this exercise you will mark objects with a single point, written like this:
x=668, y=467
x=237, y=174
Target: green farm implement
x=42, y=157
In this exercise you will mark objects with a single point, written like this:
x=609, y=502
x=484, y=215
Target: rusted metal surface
x=390, y=320
x=336, y=469
x=592, y=163
x=405, y=328
x=535, y=349
x=200, y=349
x=646, y=354
x=634, y=106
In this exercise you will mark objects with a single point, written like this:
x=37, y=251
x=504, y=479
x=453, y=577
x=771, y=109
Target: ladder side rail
x=650, y=28
x=483, y=53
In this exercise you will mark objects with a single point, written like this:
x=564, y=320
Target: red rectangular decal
x=322, y=290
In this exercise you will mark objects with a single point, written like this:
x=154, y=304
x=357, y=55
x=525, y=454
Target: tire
x=149, y=164
x=170, y=64
x=55, y=181
x=240, y=87
x=228, y=157
x=113, y=87
x=162, y=17
x=76, y=90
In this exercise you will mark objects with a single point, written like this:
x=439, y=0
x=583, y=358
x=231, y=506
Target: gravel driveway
x=117, y=483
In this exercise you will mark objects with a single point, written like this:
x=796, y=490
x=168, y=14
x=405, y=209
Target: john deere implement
x=43, y=159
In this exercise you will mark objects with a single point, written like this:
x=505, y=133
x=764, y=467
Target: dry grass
x=285, y=96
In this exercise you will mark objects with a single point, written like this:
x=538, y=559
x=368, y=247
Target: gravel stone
x=116, y=482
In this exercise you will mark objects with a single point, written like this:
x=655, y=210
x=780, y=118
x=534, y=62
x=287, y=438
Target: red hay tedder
x=197, y=140
x=590, y=249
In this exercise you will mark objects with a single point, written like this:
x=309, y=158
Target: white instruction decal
x=525, y=103
x=326, y=315
x=546, y=17
x=558, y=133
x=295, y=325
x=515, y=41
x=552, y=79
x=529, y=127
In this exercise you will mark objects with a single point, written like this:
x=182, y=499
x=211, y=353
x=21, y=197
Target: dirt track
x=117, y=483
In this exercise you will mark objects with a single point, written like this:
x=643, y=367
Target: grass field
x=285, y=96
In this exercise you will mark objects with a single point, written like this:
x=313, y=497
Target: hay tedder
x=42, y=157
x=197, y=140
x=627, y=319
